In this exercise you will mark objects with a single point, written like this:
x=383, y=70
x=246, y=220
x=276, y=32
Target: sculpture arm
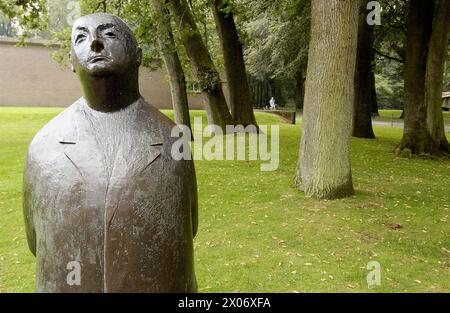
x=28, y=210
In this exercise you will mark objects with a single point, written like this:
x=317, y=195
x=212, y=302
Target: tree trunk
x=416, y=139
x=240, y=97
x=259, y=94
x=437, y=54
x=324, y=169
x=362, y=117
x=374, y=102
x=202, y=64
x=256, y=93
x=173, y=65
x=299, y=90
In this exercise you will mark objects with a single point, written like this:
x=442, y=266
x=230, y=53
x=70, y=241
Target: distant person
x=273, y=105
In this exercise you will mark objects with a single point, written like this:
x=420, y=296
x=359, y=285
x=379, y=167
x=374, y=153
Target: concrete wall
x=30, y=77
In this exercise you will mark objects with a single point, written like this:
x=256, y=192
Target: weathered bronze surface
x=100, y=185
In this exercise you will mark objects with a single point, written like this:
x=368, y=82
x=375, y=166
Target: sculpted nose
x=97, y=45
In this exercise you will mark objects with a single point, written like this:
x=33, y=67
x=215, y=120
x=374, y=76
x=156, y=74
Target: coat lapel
x=79, y=146
x=148, y=140
x=82, y=150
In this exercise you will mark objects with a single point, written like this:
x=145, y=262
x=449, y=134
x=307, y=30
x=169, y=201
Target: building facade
x=30, y=77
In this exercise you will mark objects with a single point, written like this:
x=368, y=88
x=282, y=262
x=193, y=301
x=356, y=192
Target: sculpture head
x=106, y=58
x=103, y=44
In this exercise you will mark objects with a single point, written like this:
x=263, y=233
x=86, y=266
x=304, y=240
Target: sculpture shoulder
x=165, y=126
x=58, y=127
x=164, y=123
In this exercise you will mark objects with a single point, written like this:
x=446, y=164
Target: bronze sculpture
x=100, y=186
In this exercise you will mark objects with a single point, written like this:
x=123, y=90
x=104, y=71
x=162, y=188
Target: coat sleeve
x=28, y=206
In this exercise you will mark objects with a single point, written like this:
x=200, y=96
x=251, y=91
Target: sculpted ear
x=71, y=62
x=139, y=56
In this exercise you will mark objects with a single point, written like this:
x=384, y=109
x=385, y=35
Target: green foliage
x=390, y=36
x=63, y=39
x=278, y=40
x=276, y=49
x=389, y=83
x=29, y=14
x=389, y=46
x=204, y=18
x=208, y=81
x=7, y=29
x=202, y=13
x=47, y=19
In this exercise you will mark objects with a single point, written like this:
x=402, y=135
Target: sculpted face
x=103, y=44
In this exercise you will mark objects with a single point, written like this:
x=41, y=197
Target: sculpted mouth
x=98, y=58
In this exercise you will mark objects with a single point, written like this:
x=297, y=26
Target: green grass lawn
x=257, y=233
x=394, y=116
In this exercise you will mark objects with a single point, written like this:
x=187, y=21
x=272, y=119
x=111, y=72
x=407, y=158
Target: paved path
x=387, y=124
x=398, y=124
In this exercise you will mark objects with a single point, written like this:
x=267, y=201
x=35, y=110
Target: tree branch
x=101, y=3
x=387, y=56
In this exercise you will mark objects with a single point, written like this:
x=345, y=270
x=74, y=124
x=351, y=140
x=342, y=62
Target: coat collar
x=79, y=143
x=149, y=124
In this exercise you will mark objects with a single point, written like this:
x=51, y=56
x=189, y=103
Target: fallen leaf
x=395, y=226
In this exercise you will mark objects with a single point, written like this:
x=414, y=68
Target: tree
x=389, y=54
x=324, y=169
x=203, y=67
x=389, y=83
x=362, y=120
x=31, y=15
x=390, y=35
x=172, y=62
x=277, y=47
x=240, y=97
x=437, y=55
x=415, y=138
x=373, y=93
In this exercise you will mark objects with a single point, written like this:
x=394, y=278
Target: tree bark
x=374, y=102
x=437, y=55
x=362, y=117
x=202, y=64
x=173, y=65
x=416, y=139
x=324, y=169
x=240, y=97
x=260, y=93
x=299, y=90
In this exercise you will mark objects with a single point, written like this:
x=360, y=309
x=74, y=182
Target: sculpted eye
x=110, y=35
x=80, y=38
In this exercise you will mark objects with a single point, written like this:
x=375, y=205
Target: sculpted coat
x=128, y=218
